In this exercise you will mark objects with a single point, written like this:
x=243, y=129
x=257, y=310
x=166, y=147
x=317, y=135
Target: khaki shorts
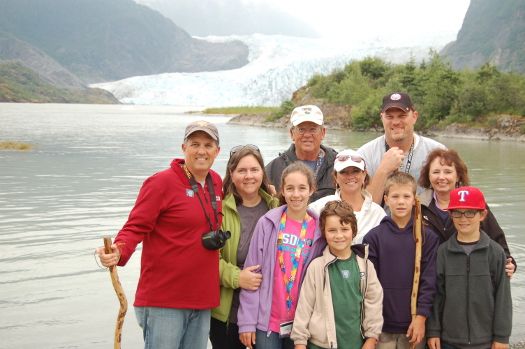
x=396, y=341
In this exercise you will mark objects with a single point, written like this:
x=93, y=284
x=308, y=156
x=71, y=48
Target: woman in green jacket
x=246, y=199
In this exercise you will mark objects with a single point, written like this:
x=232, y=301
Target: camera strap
x=211, y=191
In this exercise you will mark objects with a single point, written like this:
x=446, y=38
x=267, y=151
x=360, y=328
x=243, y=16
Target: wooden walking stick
x=418, y=238
x=120, y=294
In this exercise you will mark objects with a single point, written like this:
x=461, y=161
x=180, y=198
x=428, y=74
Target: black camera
x=215, y=240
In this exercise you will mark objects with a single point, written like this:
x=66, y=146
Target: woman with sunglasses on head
x=246, y=199
x=351, y=179
x=442, y=172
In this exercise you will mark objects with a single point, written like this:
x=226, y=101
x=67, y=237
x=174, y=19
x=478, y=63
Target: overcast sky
x=400, y=22
x=402, y=18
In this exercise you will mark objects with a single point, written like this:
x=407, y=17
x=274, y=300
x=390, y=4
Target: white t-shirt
x=374, y=150
x=368, y=217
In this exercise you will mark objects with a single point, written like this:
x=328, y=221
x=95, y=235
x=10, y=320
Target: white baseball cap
x=305, y=113
x=348, y=158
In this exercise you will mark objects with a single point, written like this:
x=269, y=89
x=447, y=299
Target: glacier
x=278, y=65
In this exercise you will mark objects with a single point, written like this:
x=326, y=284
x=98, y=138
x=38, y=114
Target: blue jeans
x=263, y=341
x=167, y=328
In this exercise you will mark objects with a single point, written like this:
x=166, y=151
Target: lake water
x=81, y=179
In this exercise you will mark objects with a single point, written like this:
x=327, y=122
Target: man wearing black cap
x=399, y=148
x=179, y=278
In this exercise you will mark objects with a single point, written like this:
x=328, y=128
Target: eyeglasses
x=345, y=157
x=466, y=213
x=245, y=146
x=309, y=130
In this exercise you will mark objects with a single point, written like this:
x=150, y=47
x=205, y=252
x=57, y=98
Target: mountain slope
x=21, y=84
x=100, y=40
x=12, y=49
x=493, y=31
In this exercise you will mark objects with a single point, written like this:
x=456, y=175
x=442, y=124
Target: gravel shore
x=452, y=131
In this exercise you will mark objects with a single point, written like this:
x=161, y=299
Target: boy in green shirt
x=340, y=303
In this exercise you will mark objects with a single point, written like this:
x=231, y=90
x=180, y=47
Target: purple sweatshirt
x=255, y=306
x=392, y=250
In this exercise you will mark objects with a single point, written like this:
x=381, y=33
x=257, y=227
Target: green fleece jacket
x=229, y=272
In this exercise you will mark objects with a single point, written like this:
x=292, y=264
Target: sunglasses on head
x=354, y=158
x=245, y=146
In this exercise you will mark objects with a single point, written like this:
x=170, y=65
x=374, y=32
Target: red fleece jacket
x=176, y=270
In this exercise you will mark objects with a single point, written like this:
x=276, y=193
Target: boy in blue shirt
x=392, y=250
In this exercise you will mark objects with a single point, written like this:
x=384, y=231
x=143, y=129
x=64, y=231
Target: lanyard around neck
x=409, y=157
x=294, y=257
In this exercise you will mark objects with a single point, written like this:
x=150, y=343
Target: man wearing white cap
x=307, y=133
x=399, y=149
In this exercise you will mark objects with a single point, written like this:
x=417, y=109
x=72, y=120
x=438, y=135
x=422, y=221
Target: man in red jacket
x=179, y=277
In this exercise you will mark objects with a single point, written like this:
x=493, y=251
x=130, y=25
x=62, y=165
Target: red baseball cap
x=467, y=198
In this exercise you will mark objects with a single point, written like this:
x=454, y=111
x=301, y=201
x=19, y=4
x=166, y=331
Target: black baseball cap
x=397, y=100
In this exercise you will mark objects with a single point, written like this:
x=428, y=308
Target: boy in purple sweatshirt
x=392, y=250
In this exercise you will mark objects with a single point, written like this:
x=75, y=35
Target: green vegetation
x=10, y=145
x=241, y=110
x=21, y=84
x=270, y=113
x=441, y=95
x=285, y=109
